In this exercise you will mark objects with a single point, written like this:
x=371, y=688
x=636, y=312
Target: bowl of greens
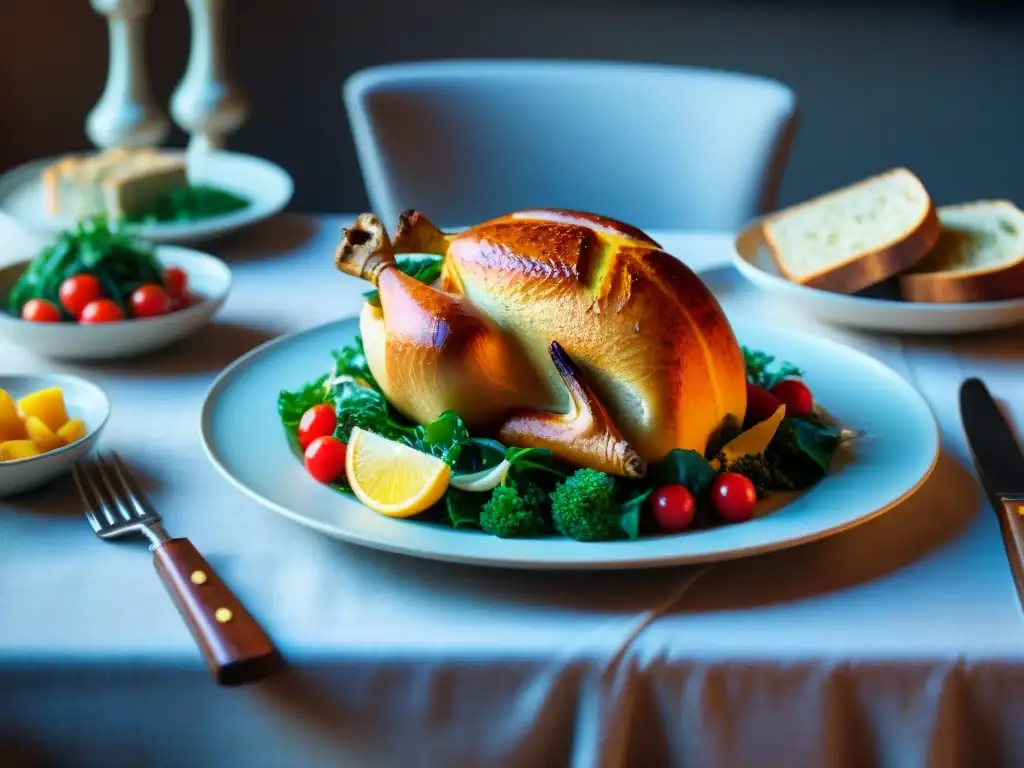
x=100, y=292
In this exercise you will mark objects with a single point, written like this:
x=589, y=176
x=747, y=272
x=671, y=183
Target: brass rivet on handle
x=223, y=615
x=198, y=577
x=1020, y=510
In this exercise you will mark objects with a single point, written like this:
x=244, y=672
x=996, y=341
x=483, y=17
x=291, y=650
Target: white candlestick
x=126, y=115
x=208, y=103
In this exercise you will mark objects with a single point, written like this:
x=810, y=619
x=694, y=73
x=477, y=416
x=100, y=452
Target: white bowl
x=84, y=400
x=875, y=309
x=209, y=281
x=268, y=187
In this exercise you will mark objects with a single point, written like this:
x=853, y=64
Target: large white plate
x=268, y=187
x=245, y=441
x=876, y=309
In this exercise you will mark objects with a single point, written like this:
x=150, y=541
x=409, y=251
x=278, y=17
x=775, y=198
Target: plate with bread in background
x=161, y=195
x=879, y=255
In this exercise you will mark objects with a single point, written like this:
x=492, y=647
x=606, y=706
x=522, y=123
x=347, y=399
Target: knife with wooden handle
x=1000, y=464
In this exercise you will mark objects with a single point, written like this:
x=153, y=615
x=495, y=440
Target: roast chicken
x=552, y=329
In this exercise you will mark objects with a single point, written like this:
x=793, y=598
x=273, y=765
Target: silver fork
x=235, y=647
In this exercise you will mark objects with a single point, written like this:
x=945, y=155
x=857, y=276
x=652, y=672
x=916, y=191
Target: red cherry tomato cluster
x=732, y=496
x=792, y=393
x=82, y=297
x=323, y=454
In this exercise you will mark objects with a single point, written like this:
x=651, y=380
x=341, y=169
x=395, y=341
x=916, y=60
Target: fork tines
x=113, y=505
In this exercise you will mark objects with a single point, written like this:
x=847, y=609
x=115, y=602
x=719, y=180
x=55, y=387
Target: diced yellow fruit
x=392, y=478
x=11, y=427
x=754, y=441
x=12, y=450
x=72, y=431
x=47, y=405
x=40, y=434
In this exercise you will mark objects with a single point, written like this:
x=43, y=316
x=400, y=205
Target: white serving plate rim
x=242, y=364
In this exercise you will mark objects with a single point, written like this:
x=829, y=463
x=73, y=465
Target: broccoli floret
x=763, y=471
x=511, y=514
x=755, y=469
x=584, y=508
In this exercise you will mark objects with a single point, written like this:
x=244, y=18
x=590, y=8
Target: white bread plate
x=267, y=186
x=878, y=255
x=879, y=309
x=84, y=400
x=209, y=281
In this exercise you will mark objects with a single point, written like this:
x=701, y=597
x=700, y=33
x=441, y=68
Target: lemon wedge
x=391, y=478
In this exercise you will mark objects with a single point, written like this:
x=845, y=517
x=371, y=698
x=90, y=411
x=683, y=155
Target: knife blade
x=1000, y=463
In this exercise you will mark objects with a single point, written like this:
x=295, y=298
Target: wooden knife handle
x=1011, y=521
x=235, y=647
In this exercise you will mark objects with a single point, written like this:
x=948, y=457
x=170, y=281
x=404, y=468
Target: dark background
x=936, y=86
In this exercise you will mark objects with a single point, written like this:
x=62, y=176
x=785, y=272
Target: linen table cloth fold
x=898, y=643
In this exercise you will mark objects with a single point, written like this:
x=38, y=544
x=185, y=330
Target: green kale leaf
x=760, y=369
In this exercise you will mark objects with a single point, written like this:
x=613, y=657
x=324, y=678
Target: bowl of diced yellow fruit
x=47, y=423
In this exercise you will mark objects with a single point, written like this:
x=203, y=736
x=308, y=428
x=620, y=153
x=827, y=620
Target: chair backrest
x=660, y=147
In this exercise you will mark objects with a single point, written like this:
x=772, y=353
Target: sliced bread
x=856, y=236
x=979, y=256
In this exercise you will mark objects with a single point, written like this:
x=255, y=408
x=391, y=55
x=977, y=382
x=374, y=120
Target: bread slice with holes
x=856, y=236
x=979, y=256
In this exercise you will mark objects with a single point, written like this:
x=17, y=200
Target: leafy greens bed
x=541, y=495
x=120, y=261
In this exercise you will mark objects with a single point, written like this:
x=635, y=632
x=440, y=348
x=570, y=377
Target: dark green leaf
x=817, y=440
x=464, y=508
x=630, y=512
x=537, y=460
x=444, y=437
x=357, y=406
x=684, y=467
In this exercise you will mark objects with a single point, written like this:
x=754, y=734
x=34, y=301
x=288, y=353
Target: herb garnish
x=759, y=365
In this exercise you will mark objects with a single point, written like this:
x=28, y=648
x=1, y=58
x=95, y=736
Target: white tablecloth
x=899, y=643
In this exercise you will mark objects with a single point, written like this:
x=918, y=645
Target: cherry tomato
x=325, y=459
x=78, y=291
x=316, y=422
x=150, y=300
x=101, y=311
x=795, y=395
x=734, y=497
x=673, y=507
x=760, y=405
x=40, y=311
x=175, y=282
x=183, y=302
